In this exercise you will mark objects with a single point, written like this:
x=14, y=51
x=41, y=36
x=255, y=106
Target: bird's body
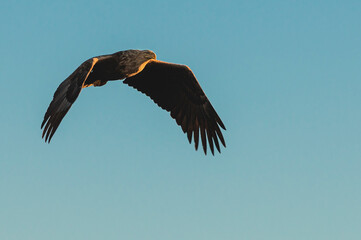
x=172, y=86
x=119, y=65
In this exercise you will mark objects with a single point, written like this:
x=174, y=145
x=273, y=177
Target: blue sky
x=283, y=75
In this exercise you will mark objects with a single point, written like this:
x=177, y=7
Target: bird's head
x=149, y=54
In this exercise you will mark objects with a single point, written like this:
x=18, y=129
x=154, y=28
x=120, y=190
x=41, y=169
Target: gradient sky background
x=283, y=75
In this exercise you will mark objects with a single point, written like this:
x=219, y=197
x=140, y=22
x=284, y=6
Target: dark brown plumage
x=173, y=87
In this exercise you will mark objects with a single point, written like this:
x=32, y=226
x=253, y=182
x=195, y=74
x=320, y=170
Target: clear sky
x=283, y=75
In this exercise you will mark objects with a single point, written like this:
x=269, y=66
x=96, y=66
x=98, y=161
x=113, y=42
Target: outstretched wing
x=64, y=96
x=174, y=88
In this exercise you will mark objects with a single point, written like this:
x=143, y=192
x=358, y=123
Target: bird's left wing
x=64, y=96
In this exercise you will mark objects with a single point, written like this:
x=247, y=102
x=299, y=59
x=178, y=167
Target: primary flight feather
x=172, y=87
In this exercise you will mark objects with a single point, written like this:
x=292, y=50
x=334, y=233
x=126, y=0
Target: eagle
x=173, y=87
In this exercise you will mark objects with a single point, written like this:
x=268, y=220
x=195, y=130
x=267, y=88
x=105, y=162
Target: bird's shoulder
x=170, y=68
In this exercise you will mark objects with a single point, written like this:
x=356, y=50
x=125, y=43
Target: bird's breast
x=140, y=68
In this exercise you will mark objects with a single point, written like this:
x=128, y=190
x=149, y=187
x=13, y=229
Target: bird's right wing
x=64, y=96
x=175, y=88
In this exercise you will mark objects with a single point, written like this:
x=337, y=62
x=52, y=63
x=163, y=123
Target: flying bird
x=173, y=87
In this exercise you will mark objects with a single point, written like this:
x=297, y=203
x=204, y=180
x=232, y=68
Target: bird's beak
x=95, y=60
